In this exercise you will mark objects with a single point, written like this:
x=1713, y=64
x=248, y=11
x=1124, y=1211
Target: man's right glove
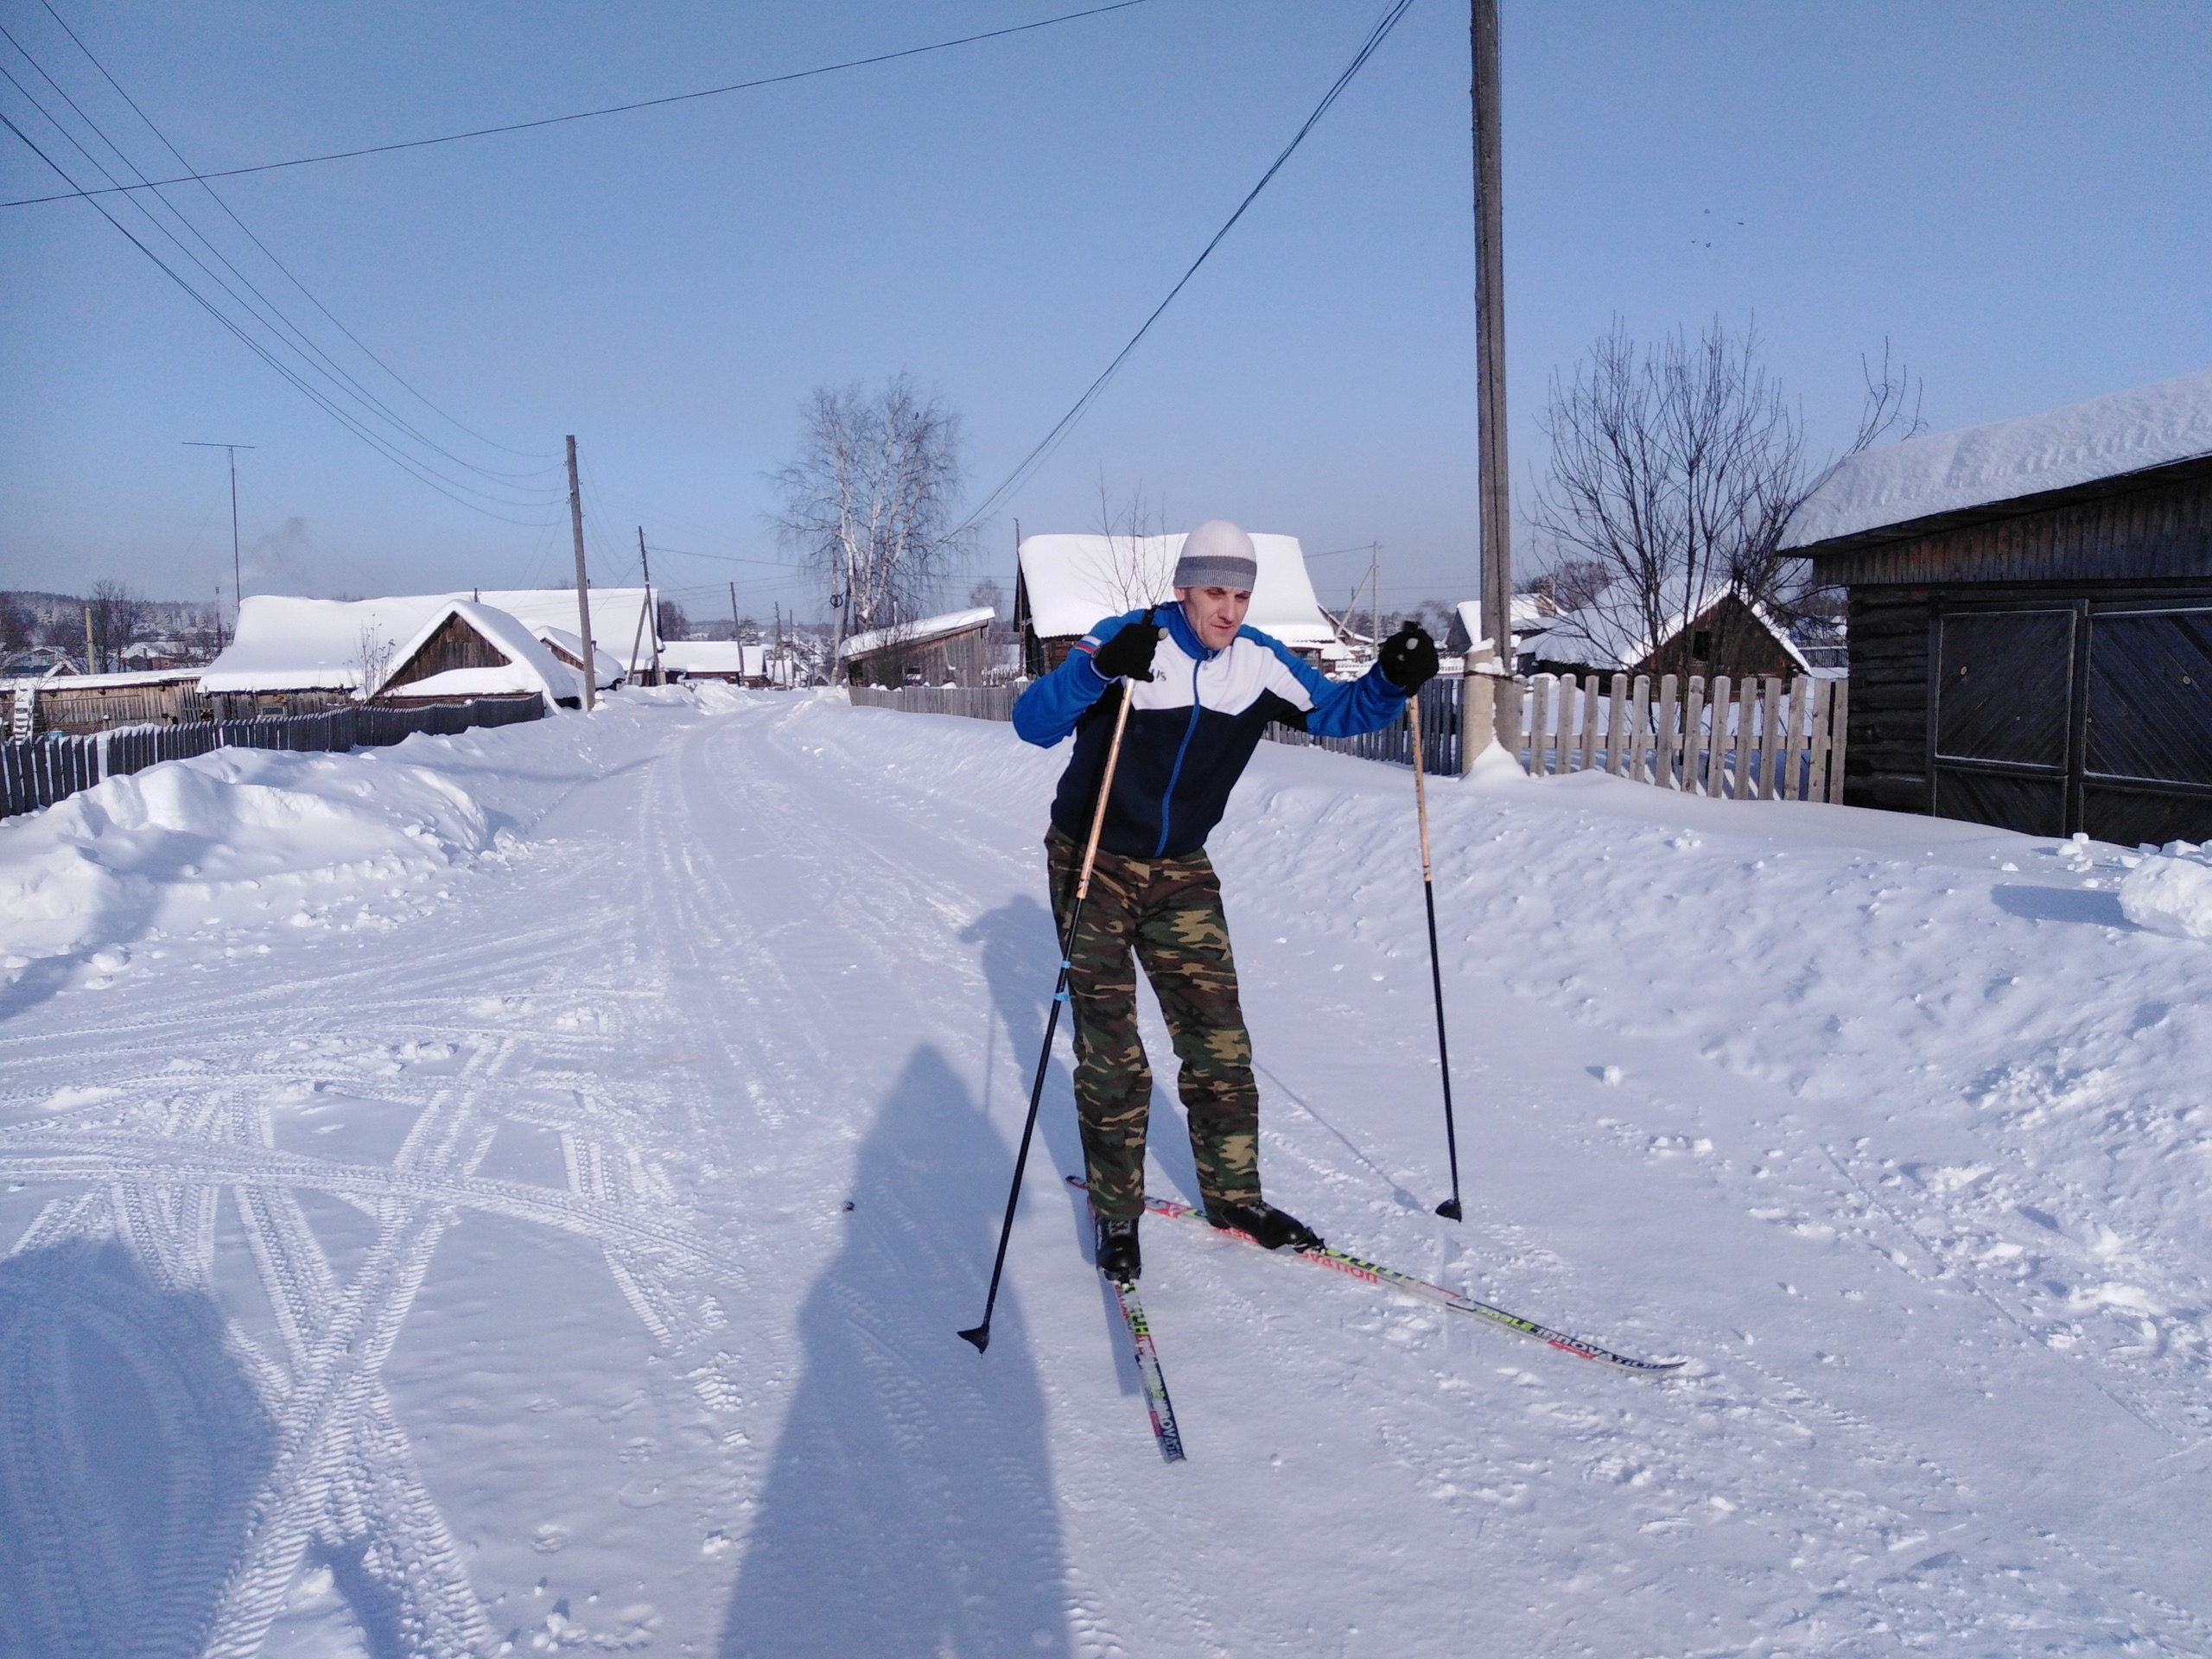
x=1128, y=655
x=1407, y=656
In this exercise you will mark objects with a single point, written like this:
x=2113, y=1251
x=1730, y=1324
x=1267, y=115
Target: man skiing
x=1202, y=688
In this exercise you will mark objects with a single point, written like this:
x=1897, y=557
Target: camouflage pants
x=1166, y=913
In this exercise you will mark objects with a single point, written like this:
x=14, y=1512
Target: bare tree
x=1675, y=470
x=118, y=618
x=869, y=501
x=671, y=621
x=372, y=654
x=1570, y=584
x=1135, y=573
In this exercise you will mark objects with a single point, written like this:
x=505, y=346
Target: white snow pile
x=233, y=818
x=1947, y=472
x=2172, y=894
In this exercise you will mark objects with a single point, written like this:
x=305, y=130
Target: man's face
x=1214, y=613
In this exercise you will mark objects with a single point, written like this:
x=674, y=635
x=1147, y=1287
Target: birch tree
x=869, y=502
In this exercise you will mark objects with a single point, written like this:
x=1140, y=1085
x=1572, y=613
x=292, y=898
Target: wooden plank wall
x=1889, y=629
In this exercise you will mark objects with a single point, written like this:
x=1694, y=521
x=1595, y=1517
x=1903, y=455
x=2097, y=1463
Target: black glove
x=1128, y=655
x=1408, y=658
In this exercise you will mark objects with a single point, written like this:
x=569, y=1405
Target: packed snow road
x=518, y=1192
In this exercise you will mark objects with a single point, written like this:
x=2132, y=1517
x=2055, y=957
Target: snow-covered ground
x=521, y=1189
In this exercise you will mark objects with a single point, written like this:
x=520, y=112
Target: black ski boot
x=1118, y=1258
x=1271, y=1228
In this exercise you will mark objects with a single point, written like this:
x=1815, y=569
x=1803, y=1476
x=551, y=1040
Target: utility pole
x=583, y=583
x=732, y=612
x=655, y=623
x=238, y=592
x=1493, y=484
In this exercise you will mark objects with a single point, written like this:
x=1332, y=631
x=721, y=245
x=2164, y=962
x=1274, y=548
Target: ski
x=1155, y=1381
x=1374, y=1272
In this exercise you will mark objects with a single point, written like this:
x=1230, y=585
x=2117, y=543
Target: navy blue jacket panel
x=1193, y=727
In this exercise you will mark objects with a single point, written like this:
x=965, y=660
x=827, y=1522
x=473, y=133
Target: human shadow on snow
x=131, y=1448
x=910, y=1509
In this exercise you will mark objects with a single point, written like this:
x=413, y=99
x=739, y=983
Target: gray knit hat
x=1217, y=554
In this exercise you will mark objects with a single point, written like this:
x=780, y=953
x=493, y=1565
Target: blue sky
x=2011, y=194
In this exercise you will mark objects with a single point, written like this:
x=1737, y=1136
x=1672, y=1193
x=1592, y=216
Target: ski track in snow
x=471, y=1270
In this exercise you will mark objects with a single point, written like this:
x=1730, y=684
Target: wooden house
x=1067, y=584
x=954, y=649
x=2030, y=618
x=1722, y=633
x=470, y=650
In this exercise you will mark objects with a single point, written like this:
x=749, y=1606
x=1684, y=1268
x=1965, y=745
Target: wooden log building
x=2030, y=618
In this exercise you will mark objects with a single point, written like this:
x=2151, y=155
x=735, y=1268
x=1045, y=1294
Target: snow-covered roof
x=302, y=645
x=529, y=666
x=568, y=648
x=715, y=657
x=1073, y=582
x=924, y=632
x=309, y=644
x=1613, y=636
x=75, y=682
x=616, y=614
x=1950, y=472
x=1529, y=617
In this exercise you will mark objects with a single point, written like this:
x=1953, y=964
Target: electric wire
x=405, y=463
x=612, y=109
x=287, y=333
x=1052, y=439
x=216, y=199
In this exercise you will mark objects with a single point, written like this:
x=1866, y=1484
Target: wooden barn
x=472, y=651
x=950, y=650
x=2030, y=618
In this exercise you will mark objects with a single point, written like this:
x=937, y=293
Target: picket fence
x=1758, y=739
x=40, y=771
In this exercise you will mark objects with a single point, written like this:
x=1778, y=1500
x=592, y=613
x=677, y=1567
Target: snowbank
x=235, y=819
x=2106, y=437
x=2171, y=894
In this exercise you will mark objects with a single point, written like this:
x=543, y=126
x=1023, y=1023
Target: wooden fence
x=1763, y=740
x=976, y=701
x=40, y=771
x=1443, y=705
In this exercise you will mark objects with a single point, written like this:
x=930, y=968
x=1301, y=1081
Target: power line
x=212, y=196
x=591, y=115
x=404, y=462
x=1051, y=441
x=297, y=343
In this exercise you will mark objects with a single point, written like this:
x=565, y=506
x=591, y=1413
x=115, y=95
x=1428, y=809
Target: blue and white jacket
x=1192, y=729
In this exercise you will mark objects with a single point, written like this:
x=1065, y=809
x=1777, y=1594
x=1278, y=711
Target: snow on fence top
x=304, y=645
x=926, y=630
x=2106, y=437
x=1073, y=582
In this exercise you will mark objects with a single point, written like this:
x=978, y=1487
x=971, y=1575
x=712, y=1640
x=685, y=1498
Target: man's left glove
x=1128, y=655
x=1408, y=658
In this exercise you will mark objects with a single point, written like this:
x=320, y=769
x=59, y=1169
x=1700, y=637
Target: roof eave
x=2017, y=506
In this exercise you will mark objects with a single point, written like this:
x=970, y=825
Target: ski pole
x=980, y=1336
x=1450, y=1208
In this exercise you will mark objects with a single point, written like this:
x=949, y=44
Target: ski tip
x=980, y=1336
x=1449, y=1210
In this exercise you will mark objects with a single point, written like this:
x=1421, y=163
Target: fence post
x=1693, y=737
